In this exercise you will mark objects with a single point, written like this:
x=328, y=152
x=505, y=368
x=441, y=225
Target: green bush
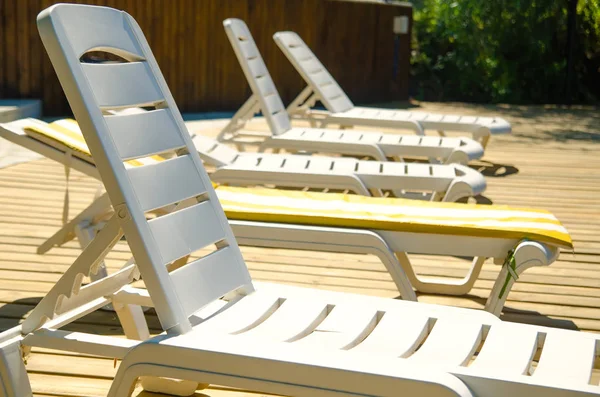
x=504, y=51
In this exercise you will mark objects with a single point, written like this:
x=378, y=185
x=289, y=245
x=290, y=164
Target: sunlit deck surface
x=551, y=161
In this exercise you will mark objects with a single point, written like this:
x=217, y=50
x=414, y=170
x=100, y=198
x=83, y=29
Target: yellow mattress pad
x=353, y=211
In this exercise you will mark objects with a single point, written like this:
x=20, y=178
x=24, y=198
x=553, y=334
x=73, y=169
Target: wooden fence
x=354, y=40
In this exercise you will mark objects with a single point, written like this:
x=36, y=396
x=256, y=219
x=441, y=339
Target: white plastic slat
x=351, y=136
x=273, y=103
x=363, y=113
x=320, y=164
x=411, y=140
x=434, y=141
x=258, y=76
x=104, y=29
x=448, y=118
x=417, y=116
x=320, y=76
x=375, y=137
x=309, y=134
x=451, y=143
x=302, y=53
x=508, y=350
x=450, y=344
x=266, y=86
x=418, y=171
x=117, y=85
x=219, y=152
x=339, y=104
x=237, y=28
x=567, y=356
x=330, y=91
x=271, y=162
x=295, y=319
x=345, y=327
x=313, y=71
x=347, y=166
x=330, y=135
x=244, y=314
x=441, y=171
x=209, y=278
x=297, y=163
x=279, y=122
x=414, y=170
x=433, y=117
x=203, y=143
x=166, y=182
x=313, y=66
x=144, y=134
x=247, y=161
x=396, y=335
x=183, y=232
x=487, y=120
x=467, y=119
x=258, y=68
x=397, y=115
x=248, y=48
x=373, y=168
x=379, y=113
x=392, y=139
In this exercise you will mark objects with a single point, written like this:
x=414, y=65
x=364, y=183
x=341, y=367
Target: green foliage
x=504, y=50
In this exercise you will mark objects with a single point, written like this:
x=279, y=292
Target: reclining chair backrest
x=257, y=75
x=313, y=72
x=93, y=89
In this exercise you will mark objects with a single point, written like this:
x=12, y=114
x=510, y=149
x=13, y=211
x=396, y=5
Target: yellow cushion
x=66, y=132
x=345, y=210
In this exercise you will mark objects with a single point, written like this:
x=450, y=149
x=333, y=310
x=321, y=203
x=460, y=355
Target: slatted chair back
x=94, y=91
x=213, y=152
x=313, y=72
x=257, y=75
x=210, y=150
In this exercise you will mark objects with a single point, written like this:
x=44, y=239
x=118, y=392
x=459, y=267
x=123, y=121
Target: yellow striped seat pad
x=348, y=210
x=345, y=210
x=66, y=132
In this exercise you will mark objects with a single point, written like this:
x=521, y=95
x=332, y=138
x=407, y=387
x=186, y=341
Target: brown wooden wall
x=354, y=40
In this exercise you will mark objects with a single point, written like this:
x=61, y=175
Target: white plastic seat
x=321, y=86
x=434, y=182
x=265, y=98
x=386, y=228
x=212, y=313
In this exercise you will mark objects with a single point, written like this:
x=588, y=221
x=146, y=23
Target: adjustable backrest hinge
x=122, y=212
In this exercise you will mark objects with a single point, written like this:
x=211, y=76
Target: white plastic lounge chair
x=358, y=143
x=220, y=327
x=433, y=181
x=386, y=228
x=437, y=182
x=340, y=110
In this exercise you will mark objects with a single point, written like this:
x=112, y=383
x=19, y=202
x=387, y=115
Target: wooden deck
x=551, y=161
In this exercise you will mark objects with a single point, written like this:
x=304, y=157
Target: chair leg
x=439, y=286
x=15, y=382
x=482, y=135
x=457, y=191
x=132, y=320
x=376, y=192
x=484, y=141
x=127, y=376
x=527, y=254
x=85, y=234
x=177, y=387
x=66, y=233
